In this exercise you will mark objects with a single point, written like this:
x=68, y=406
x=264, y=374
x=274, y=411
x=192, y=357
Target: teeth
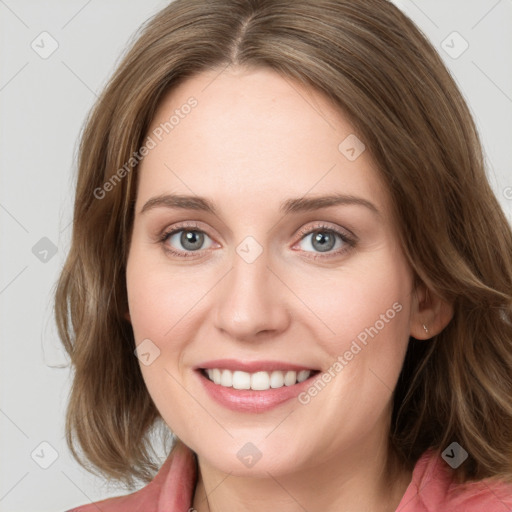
x=290, y=378
x=226, y=378
x=240, y=380
x=303, y=375
x=259, y=381
x=276, y=380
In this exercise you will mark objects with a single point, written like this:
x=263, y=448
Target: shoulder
x=432, y=489
x=173, y=484
x=143, y=499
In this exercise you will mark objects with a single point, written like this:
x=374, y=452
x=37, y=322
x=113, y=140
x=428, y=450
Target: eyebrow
x=293, y=205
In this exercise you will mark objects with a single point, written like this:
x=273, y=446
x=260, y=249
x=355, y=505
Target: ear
x=430, y=312
x=127, y=316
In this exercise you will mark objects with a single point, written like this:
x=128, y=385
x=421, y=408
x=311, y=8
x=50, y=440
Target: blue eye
x=188, y=240
x=322, y=240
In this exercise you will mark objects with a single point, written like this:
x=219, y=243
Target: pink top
x=430, y=490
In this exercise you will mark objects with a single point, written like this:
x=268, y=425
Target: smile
x=258, y=381
x=253, y=387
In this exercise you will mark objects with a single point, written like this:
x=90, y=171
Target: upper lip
x=251, y=366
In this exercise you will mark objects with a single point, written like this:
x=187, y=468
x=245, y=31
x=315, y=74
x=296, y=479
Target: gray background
x=43, y=104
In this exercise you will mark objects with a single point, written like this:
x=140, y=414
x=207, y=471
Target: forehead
x=254, y=134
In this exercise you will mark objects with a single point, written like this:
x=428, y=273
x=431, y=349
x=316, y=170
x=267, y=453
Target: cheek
x=363, y=303
x=165, y=309
x=161, y=310
x=160, y=299
x=366, y=316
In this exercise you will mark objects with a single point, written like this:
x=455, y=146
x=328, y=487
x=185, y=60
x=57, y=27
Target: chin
x=243, y=458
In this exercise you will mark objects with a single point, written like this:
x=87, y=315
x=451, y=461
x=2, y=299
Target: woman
x=285, y=250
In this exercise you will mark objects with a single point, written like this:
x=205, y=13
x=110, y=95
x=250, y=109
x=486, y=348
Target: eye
x=326, y=239
x=184, y=240
x=188, y=240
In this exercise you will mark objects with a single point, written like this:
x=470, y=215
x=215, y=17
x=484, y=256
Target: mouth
x=257, y=381
x=253, y=386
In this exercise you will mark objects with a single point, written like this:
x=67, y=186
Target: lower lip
x=249, y=400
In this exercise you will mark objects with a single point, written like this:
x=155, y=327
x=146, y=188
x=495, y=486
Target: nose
x=251, y=302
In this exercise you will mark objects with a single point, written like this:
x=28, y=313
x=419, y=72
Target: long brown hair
x=377, y=67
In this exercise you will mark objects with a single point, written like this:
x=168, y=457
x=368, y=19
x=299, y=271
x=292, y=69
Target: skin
x=254, y=140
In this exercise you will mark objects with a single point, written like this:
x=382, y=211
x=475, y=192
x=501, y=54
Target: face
x=266, y=286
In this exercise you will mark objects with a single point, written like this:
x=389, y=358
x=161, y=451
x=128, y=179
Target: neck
x=363, y=481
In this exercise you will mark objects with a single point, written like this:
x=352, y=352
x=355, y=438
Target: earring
x=425, y=327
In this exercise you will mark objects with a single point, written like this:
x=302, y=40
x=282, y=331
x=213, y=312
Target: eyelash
x=191, y=226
